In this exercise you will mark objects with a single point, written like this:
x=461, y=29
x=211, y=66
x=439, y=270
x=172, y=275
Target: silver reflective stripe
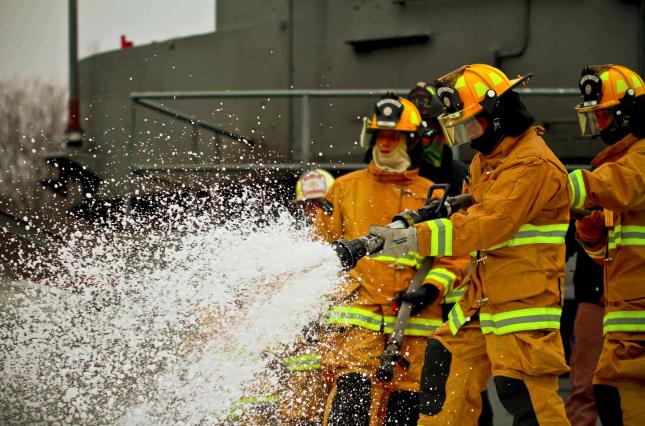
x=303, y=362
x=626, y=235
x=441, y=239
x=454, y=295
x=355, y=319
x=520, y=320
x=624, y=321
x=456, y=318
x=577, y=182
x=415, y=326
x=535, y=234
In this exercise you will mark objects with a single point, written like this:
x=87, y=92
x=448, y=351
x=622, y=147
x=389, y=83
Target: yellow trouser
x=359, y=352
x=535, y=357
x=302, y=399
x=622, y=365
x=304, y=387
x=468, y=376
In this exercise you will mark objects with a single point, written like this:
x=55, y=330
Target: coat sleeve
x=617, y=186
x=447, y=273
x=512, y=200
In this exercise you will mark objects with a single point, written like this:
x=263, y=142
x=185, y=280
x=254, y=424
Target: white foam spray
x=160, y=326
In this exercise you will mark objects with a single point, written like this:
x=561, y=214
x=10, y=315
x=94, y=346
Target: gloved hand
x=398, y=242
x=311, y=332
x=442, y=210
x=591, y=229
x=419, y=299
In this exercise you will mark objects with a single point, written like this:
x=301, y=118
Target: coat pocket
x=510, y=288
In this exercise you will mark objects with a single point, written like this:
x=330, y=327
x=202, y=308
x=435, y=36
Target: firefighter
x=439, y=166
x=304, y=383
x=507, y=323
x=311, y=188
x=367, y=313
x=613, y=108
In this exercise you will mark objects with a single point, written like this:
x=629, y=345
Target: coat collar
x=615, y=150
x=506, y=145
x=401, y=178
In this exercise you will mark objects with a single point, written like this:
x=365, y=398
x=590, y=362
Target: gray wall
x=255, y=47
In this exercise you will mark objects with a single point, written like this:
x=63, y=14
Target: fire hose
x=392, y=353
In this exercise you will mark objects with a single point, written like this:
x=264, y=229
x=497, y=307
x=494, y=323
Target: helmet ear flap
x=625, y=109
x=637, y=120
x=510, y=115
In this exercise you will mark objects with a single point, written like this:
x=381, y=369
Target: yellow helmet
x=465, y=93
x=391, y=113
x=314, y=185
x=608, y=94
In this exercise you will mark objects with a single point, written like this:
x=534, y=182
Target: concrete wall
x=255, y=47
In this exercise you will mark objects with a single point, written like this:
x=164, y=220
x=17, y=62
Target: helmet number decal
x=590, y=87
x=388, y=112
x=450, y=98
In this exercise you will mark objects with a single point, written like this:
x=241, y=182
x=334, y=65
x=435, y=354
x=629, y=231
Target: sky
x=33, y=33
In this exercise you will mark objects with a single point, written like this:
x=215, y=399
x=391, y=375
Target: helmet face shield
x=366, y=133
x=463, y=126
x=593, y=119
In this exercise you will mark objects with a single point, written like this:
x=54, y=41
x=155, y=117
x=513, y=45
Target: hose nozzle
x=351, y=251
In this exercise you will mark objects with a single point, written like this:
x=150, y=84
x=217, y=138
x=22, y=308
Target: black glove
x=311, y=332
x=439, y=210
x=424, y=296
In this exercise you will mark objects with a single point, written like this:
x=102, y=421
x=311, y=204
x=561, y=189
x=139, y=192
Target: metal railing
x=145, y=99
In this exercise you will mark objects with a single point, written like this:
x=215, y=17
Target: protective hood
x=509, y=118
x=396, y=161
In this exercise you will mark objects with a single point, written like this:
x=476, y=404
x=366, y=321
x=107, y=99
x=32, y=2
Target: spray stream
x=161, y=324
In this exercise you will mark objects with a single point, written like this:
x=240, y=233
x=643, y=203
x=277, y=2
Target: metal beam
x=208, y=168
x=317, y=93
x=194, y=121
x=28, y=232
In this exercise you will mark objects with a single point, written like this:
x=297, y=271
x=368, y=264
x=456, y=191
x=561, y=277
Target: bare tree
x=32, y=119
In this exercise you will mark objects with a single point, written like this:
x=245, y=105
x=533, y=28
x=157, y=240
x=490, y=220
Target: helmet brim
x=523, y=79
